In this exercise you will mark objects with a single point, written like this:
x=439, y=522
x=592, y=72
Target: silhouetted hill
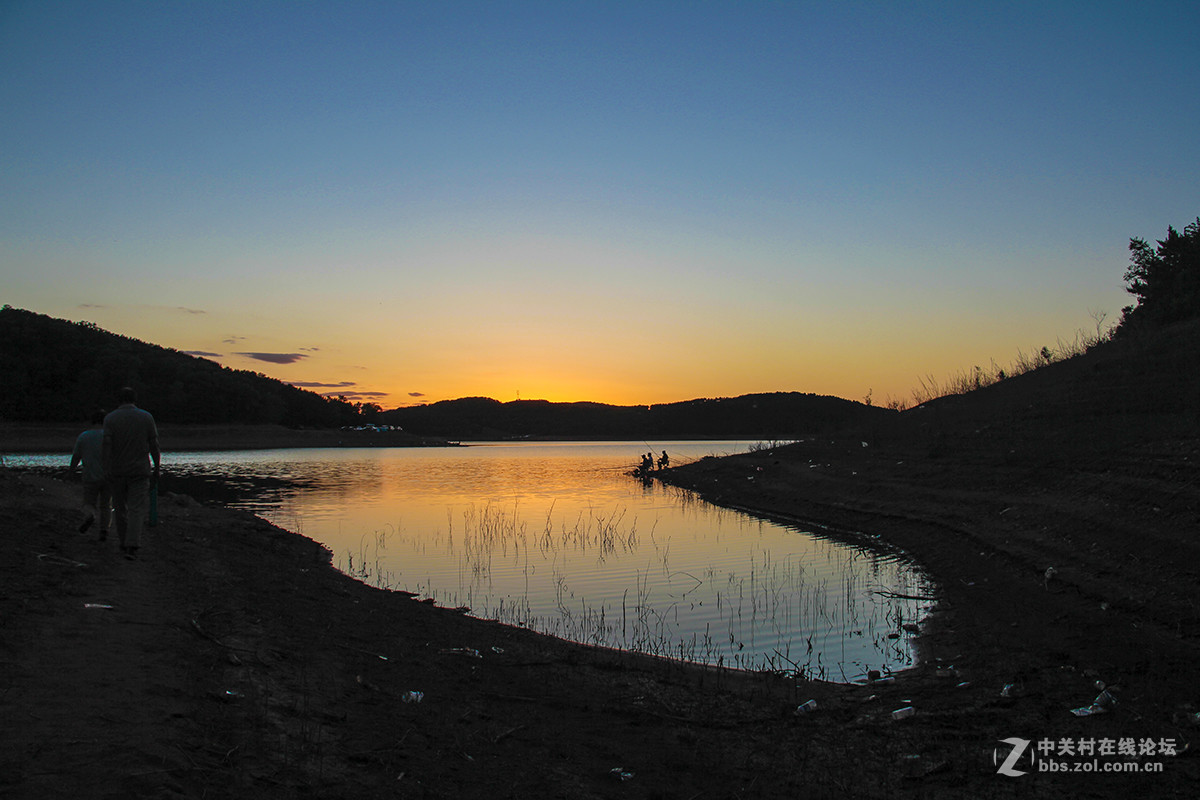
x=780, y=415
x=53, y=370
x=1130, y=391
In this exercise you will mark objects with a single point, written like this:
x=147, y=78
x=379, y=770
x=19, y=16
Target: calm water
x=558, y=538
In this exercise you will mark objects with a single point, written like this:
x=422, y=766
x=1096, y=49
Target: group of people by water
x=648, y=462
x=115, y=455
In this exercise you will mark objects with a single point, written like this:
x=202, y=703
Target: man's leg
x=90, y=490
x=104, y=509
x=120, y=496
x=137, y=505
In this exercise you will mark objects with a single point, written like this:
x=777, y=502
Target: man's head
x=127, y=395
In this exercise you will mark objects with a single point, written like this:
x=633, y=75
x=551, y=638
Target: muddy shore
x=232, y=660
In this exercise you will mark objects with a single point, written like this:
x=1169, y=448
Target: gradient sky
x=633, y=202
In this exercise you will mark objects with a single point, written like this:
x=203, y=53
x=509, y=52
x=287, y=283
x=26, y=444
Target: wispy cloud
x=315, y=385
x=232, y=340
x=92, y=305
x=416, y=394
x=355, y=395
x=274, y=358
x=190, y=310
x=201, y=353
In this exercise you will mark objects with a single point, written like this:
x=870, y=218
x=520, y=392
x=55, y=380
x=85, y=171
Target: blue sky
x=622, y=202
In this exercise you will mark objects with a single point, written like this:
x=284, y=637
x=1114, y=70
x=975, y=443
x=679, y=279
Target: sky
x=620, y=202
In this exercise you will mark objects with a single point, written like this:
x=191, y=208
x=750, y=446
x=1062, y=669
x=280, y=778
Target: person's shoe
x=87, y=523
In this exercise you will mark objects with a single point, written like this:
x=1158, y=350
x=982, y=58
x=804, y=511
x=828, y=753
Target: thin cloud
x=91, y=305
x=354, y=395
x=232, y=340
x=416, y=394
x=274, y=358
x=315, y=385
x=201, y=353
x=190, y=310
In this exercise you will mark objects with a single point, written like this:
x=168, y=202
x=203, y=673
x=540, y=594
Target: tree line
x=54, y=370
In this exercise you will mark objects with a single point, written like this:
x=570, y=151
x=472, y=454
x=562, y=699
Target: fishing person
x=130, y=443
x=97, y=499
x=665, y=461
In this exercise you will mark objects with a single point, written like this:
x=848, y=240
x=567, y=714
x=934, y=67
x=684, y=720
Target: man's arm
x=156, y=455
x=106, y=454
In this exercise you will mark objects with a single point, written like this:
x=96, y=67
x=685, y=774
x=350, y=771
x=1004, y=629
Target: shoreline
x=33, y=438
x=319, y=665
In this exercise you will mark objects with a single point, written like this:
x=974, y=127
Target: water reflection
x=557, y=538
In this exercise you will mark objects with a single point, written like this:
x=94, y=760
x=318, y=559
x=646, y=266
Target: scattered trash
x=1099, y=686
x=1087, y=711
x=1049, y=575
x=804, y=708
x=231, y=695
x=904, y=713
x=1009, y=690
x=413, y=697
x=621, y=774
x=946, y=672
x=963, y=685
x=461, y=651
x=60, y=560
x=96, y=605
x=1103, y=703
x=498, y=650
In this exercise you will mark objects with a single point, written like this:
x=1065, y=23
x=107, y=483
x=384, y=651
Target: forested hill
x=53, y=370
x=779, y=416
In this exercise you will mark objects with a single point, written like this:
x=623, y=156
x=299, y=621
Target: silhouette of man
x=665, y=461
x=130, y=442
x=97, y=499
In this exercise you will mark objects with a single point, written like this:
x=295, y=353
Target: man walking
x=89, y=451
x=130, y=442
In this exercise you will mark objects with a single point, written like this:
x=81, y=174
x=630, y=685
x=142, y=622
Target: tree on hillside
x=1165, y=279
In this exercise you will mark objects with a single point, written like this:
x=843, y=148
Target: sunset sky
x=625, y=202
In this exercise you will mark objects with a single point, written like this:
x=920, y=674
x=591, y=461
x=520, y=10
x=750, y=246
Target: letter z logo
x=1018, y=749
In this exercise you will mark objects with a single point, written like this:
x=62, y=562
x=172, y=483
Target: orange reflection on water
x=557, y=537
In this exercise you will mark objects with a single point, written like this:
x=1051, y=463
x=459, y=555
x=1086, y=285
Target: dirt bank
x=235, y=662
x=60, y=437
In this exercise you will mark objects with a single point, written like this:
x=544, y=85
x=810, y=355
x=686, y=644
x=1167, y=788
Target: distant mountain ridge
x=779, y=415
x=54, y=370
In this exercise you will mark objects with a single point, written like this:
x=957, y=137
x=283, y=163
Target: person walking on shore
x=130, y=443
x=89, y=452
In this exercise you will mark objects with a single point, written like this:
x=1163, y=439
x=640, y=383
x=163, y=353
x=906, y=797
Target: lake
x=557, y=537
